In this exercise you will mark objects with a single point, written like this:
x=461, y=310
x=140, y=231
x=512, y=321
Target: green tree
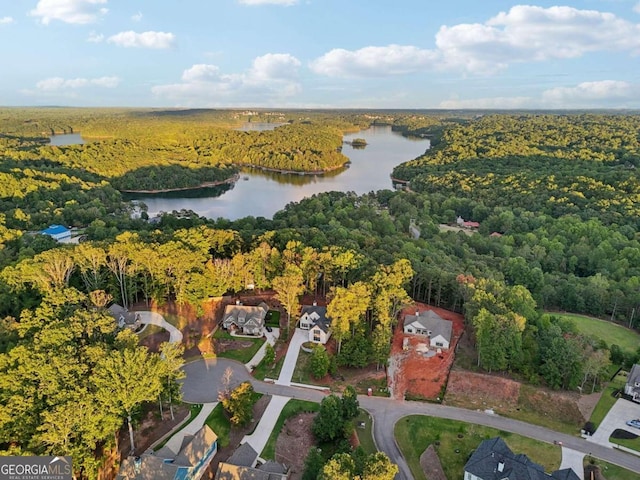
x=350, y=404
x=328, y=425
x=319, y=361
x=313, y=464
x=379, y=467
x=340, y=467
x=269, y=355
x=239, y=404
x=289, y=287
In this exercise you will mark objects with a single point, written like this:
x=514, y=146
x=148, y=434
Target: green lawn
x=150, y=330
x=220, y=424
x=607, y=399
x=243, y=355
x=302, y=372
x=415, y=433
x=612, y=333
x=291, y=409
x=611, y=471
x=273, y=318
x=194, y=411
x=364, y=434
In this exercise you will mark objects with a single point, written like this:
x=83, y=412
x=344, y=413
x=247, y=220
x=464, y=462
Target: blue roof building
x=57, y=232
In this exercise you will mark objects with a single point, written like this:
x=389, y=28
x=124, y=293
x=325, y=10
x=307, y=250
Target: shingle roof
x=147, y=467
x=430, y=320
x=494, y=460
x=227, y=471
x=196, y=448
x=244, y=456
x=322, y=320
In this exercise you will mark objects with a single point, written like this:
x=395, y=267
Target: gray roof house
x=314, y=319
x=248, y=320
x=632, y=387
x=190, y=463
x=494, y=460
x=243, y=465
x=431, y=325
x=123, y=317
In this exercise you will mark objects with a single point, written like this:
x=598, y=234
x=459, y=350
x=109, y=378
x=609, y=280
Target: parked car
x=634, y=423
x=269, y=329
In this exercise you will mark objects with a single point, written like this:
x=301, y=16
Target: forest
x=556, y=197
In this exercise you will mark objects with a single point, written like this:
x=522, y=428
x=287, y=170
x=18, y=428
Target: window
x=439, y=344
x=316, y=336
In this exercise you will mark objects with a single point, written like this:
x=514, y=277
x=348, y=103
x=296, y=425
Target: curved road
x=204, y=380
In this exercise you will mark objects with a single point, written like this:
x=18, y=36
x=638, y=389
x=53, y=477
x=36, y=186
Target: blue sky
x=321, y=53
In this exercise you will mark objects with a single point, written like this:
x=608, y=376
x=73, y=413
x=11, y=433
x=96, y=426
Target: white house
x=431, y=325
x=632, y=387
x=123, y=317
x=314, y=319
x=247, y=320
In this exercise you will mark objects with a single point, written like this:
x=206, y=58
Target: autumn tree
x=239, y=404
x=289, y=286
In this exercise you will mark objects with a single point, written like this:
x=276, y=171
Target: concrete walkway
x=299, y=337
x=154, y=318
x=574, y=460
x=617, y=417
x=257, y=358
x=172, y=447
x=258, y=439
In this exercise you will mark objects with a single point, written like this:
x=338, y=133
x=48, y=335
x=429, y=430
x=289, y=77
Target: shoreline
x=294, y=172
x=232, y=179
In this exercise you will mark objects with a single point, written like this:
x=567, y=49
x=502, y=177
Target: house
x=465, y=224
x=314, y=319
x=431, y=325
x=246, y=319
x=123, y=317
x=57, y=232
x=190, y=463
x=632, y=387
x=244, y=465
x=494, y=460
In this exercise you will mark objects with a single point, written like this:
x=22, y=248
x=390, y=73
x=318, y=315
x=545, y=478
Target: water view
x=261, y=194
x=65, y=139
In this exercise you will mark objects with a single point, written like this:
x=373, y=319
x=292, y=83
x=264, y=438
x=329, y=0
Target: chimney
x=237, y=302
x=417, y=313
x=315, y=303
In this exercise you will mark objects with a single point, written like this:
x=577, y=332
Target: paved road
x=203, y=381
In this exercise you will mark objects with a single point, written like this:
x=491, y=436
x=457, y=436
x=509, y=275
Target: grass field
x=458, y=440
x=219, y=423
x=611, y=471
x=291, y=409
x=364, y=434
x=612, y=333
x=263, y=371
x=607, y=399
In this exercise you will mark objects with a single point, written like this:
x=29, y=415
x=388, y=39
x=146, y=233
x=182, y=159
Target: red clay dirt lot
x=411, y=374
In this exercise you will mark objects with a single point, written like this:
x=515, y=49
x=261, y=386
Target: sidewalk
x=257, y=358
x=172, y=447
x=299, y=337
x=258, y=439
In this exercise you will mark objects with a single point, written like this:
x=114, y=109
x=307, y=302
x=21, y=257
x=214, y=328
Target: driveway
x=299, y=337
x=172, y=447
x=622, y=411
x=258, y=439
x=574, y=460
x=271, y=337
x=154, y=318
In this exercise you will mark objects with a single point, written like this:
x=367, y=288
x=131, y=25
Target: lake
x=261, y=194
x=66, y=139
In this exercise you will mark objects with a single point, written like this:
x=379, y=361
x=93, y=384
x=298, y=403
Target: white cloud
x=268, y=2
x=373, y=61
x=158, y=40
x=95, y=37
x=59, y=83
x=69, y=11
x=6, y=20
x=591, y=94
x=271, y=78
x=636, y=7
x=529, y=33
x=136, y=17
x=523, y=34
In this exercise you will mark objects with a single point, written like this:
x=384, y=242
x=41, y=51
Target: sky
x=455, y=54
